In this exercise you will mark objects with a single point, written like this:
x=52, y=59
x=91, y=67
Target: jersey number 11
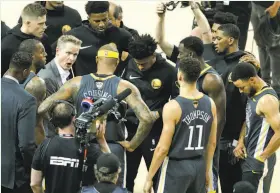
x=199, y=145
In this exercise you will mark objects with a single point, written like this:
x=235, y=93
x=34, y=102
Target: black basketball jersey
x=96, y=87
x=207, y=70
x=193, y=130
x=258, y=130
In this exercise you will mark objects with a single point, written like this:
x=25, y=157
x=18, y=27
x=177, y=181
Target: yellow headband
x=108, y=54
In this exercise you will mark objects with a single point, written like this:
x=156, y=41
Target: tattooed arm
x=37, y=88
x=145, y=116
x=66, y=92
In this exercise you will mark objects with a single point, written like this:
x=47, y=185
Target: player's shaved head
x=108, y=54
x=110, y=47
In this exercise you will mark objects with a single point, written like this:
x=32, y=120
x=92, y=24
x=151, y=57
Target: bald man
x=116, y=16
x=104, y=84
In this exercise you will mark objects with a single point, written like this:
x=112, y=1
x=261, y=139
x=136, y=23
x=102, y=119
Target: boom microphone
x=112, y=102
x=123, y=95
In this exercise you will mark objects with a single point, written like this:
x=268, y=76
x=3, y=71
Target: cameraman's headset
x=55, y=103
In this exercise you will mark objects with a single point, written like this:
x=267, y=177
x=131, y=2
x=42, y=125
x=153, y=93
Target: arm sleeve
x=174, y=55
x=26, y=130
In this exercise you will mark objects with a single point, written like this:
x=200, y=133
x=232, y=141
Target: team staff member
x=33, y=26
x=18, y=121
x=209, y=83
x=94, y=33
x=155, y=78
x=116, y=16
x=60, y=19
x=58, y=71
x=58, y=159
x=181, y=147
x=226, y=43
x=203, y=25
x=261, y=136
x=105, y=85
x=33, y=84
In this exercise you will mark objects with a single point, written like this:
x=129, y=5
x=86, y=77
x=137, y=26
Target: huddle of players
x=186, y=124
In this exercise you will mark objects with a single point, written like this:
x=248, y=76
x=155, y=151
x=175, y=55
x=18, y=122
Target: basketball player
x=34, y=84
x=189, y=122
x=261, y=136
x=209, y=83
x=104, y=84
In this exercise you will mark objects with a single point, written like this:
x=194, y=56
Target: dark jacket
x=18, y=122
x=11, y=42
x=236, y=101
x=156, y=86
x=4, y=29
x=57, y=19
x=133, y=32
x=92, y=41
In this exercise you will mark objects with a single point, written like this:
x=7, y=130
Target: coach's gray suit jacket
x=53, y=82
x=52, y=77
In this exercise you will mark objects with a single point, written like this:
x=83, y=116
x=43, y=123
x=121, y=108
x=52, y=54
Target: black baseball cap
x=243, y=187
x=107, y=163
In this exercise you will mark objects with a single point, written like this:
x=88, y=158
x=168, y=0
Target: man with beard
x=96, y=32
x=260, y=138
x=60, y=19
x=104, y=85
x=33, y=84
x=226, y=44
x=33, y=26
x=18, y=122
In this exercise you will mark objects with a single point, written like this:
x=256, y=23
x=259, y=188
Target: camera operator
x=105, y=85
x=59, y=159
